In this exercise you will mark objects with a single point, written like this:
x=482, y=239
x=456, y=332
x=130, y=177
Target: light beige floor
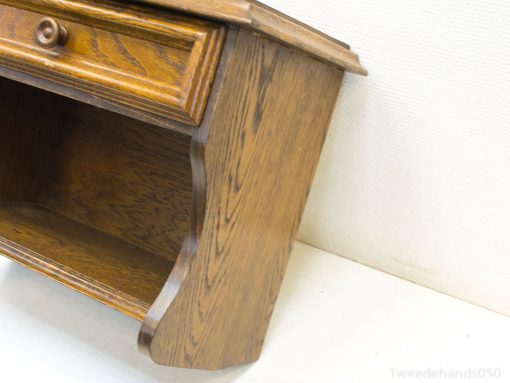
x=336, y=321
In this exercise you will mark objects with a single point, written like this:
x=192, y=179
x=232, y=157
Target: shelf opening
x=93, y=199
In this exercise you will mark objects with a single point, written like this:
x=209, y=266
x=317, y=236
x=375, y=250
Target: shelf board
x=107, y=269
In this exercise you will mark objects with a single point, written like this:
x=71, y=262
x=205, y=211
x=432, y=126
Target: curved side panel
x=257, y=155
x=190, y=245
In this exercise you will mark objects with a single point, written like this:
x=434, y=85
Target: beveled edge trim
x=118, y=300
x=273, y=24
x=53, y=86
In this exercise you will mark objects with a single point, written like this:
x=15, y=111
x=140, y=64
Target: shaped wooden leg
x=254, y=161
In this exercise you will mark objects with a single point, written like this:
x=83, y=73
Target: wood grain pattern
x=95, y=200
x=156, y=62
x=186, y=229
x=257, y=153
x=91, y=99
x=25, y=146
x=262, y=19
x=112, y=271
x=122, y=177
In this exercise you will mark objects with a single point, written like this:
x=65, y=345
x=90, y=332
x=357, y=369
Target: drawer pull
x=50, y=33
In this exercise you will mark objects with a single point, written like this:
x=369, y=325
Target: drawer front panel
x=153, y=61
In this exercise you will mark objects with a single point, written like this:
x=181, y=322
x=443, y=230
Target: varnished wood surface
x=109, y=270
x=122, y=177
x=26, y=133
x=154, y=61
x=95, y=200
x=94, y=100
x=103, y=202
x=257, y=153
x=275, y=25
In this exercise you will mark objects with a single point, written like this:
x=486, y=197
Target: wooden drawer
x=154, y=61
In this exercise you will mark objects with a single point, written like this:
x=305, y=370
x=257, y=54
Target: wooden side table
x=157, y=157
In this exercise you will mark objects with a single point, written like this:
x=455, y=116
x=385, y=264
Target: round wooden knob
x=50, y=33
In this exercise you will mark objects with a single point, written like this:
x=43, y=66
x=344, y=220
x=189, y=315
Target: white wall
x=415, y=177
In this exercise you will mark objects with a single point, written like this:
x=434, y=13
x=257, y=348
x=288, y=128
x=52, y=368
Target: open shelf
x=105, y=268
x=98, y=201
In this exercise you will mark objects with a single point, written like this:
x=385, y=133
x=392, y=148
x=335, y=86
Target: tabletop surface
x=261, y=18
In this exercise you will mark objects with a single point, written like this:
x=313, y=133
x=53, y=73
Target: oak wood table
x=157, y=156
